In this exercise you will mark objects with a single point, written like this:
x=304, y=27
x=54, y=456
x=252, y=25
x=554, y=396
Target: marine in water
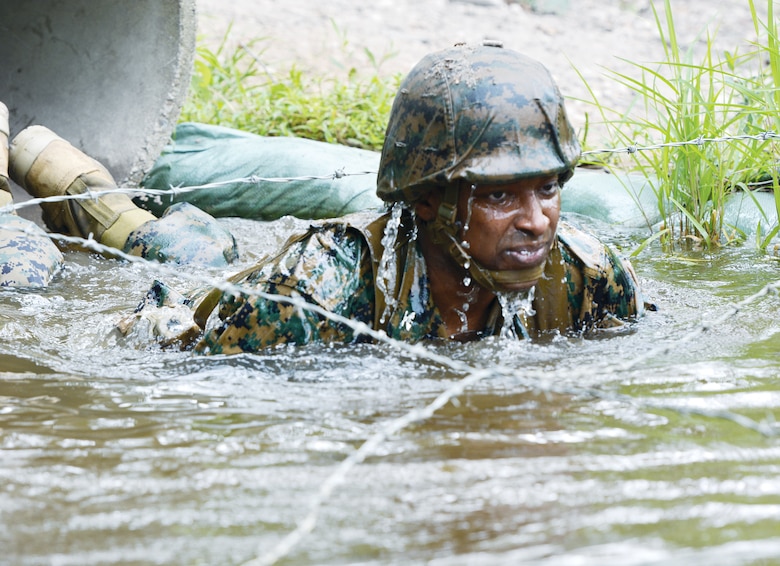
x=478, y=147
x=477, y=150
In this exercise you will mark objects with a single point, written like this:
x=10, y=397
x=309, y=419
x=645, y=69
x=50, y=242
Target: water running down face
x=511, y=226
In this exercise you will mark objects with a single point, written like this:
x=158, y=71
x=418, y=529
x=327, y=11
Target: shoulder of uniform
x=370, y=224
x=358, y=224
x=365, y=223
x=586, y=247
x=359, y=220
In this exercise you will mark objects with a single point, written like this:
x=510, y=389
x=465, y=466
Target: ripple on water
x=559, y=456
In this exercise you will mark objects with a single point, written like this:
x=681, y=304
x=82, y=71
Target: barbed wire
x=699, y=141
x=175, y=190
x=533, y=379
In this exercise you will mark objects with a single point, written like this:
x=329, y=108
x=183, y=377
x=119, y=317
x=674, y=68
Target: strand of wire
x=533, y=380
x=699, y=141
x=172, y=191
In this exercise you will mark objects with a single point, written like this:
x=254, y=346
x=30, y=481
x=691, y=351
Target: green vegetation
x=234, y=89
x=728, y=96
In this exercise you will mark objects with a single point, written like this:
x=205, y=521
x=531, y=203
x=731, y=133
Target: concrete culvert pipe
x=110, y=76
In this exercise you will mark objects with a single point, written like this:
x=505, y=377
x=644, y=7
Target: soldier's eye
x=550, y=189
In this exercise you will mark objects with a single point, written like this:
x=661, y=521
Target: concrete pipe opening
x=108, y=76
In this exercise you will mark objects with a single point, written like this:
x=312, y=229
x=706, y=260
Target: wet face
x=510, y=226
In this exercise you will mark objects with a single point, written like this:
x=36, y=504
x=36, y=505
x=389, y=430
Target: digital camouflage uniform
x=464, y=116
x=183, y=234
x=28, y=258
x=335, y=265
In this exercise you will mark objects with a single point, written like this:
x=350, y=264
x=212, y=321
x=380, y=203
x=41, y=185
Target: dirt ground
x=584, y=37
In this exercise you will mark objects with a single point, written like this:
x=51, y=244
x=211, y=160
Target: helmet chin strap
x=444, y=231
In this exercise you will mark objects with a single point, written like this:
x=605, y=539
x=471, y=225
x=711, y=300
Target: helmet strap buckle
x=445, y=225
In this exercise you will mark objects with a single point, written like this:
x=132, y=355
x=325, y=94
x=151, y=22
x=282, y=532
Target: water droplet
x=469, y=207
x=464, y=321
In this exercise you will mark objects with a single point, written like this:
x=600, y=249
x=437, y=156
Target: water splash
x=413, y=220
x=463, y=316
x=387, y=274
x=471, y=294
x=514, y=305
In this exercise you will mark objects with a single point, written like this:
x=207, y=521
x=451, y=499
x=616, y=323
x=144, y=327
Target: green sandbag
x=624, y=199
x=201, y=154
x=753, y=214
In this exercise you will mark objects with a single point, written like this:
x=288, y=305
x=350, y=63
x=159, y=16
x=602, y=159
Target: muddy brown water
x=113, y=454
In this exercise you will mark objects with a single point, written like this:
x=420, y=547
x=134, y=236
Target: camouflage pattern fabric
x=329, y=267
x=586, y=286
x=184, y=234
x=481, y=114
x=28, y=258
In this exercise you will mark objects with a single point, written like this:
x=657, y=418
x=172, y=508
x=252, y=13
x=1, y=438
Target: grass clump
x=234, y=89
x=702, y=102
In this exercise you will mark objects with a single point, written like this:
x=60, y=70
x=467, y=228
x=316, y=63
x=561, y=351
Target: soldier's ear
x=428, y=207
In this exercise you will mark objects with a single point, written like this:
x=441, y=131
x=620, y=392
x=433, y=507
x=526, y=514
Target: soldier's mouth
x=527, y=256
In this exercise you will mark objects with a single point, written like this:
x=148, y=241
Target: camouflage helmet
x=482, y=114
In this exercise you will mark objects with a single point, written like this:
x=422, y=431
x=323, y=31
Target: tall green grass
x=679, y=99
